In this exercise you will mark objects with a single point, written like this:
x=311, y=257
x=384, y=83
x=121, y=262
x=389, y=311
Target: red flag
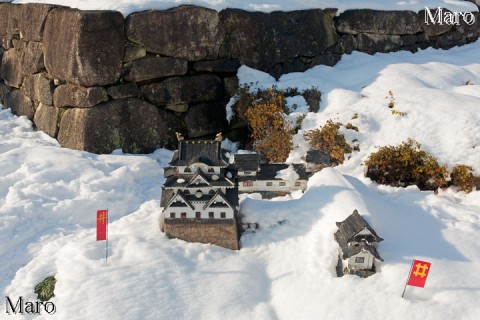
x=419, y=273
x=102, y=220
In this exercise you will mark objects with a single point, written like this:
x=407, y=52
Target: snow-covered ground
x=49, y=196
x=128, y=6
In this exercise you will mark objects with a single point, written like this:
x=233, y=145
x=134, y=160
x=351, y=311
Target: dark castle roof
x=247, y=162
x=348, y=229
x=208, y=152
x=318, y=157
x=268, y=171
x=353, y=225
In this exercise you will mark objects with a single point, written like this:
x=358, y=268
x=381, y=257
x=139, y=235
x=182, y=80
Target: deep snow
x=128, y=6
x=285, y=270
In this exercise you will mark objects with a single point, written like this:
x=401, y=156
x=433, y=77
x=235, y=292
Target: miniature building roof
x=186, y=181
x=178, y=197
x=170, y=199
x=269, y=171
x=351, y=226
x=208, y=152
x=247, y=162
x=318, y=157
x=217, y=196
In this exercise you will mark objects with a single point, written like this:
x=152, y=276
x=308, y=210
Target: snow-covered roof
x=351, y=226
x=208, y=152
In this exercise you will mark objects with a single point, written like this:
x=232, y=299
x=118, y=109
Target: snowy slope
x=128, y=6
x=49, y=195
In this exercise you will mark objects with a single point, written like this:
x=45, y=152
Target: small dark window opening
x=198, y=215
x=187, y=169
x=269, y=184
x=210, y=215
x=172, y=215
x=282, y=184
x=183, y=215
x=223, y=215
x=359, y=259
x=297, y=184
x=211, y=170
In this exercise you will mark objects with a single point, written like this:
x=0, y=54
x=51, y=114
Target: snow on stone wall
x=99, y=82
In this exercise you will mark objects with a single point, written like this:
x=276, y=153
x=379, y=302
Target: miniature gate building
x=199, y=200
x=357, y=240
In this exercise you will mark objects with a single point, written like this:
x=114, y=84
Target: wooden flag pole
x=408, y=277
x=106, y=243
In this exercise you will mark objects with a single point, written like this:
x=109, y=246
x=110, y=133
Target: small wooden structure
x=357, y=240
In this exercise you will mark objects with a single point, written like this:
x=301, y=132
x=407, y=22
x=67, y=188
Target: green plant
x=44, y=289
x=391, y=102
x=271, y=131
x=406, y=165
x=313, y=98
x=329, y=139
x=398, y=113
x=350, y=126
x=462, y=177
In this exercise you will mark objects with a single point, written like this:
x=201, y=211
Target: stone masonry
x=97, y=81
x=224, y=234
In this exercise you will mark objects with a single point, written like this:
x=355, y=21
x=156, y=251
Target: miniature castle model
x=200, y=202
x=200, y=194
x=256, y=177
x=357, y=240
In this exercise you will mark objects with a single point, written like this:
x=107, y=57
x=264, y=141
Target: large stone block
x=204, y=119
x=217, y=66
x=263, y=40
x=470, y=30
x=20, y=104
x=122, y=91
x=70, y=95
x=186, y=32
x=372, y=43
x=134, y=52
x=378, y=22
x=432, y=29
x=180, y=90
x=3, y=91
x=84, y=47
x=39, y=87
x=130, y=124
x=5, y=13
x=25, y=59
x=28, y=21
x=46, y=119
x=450, y=40
x=153, y=67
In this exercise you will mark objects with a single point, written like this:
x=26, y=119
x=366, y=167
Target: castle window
x=211, y=170
x=297, y=184
x=269, y=184
x=198, y=215
x=172, y=215
x=210, y=215
x=187, y=169
x=183, y=215
x=359, y=259
x=248, y=172
x=282, y=184
x=223, y=215
x=248, y=183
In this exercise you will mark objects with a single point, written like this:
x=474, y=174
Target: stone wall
x=221, y=233
x=97, y=82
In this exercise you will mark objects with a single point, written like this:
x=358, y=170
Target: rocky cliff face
x=98, y=82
